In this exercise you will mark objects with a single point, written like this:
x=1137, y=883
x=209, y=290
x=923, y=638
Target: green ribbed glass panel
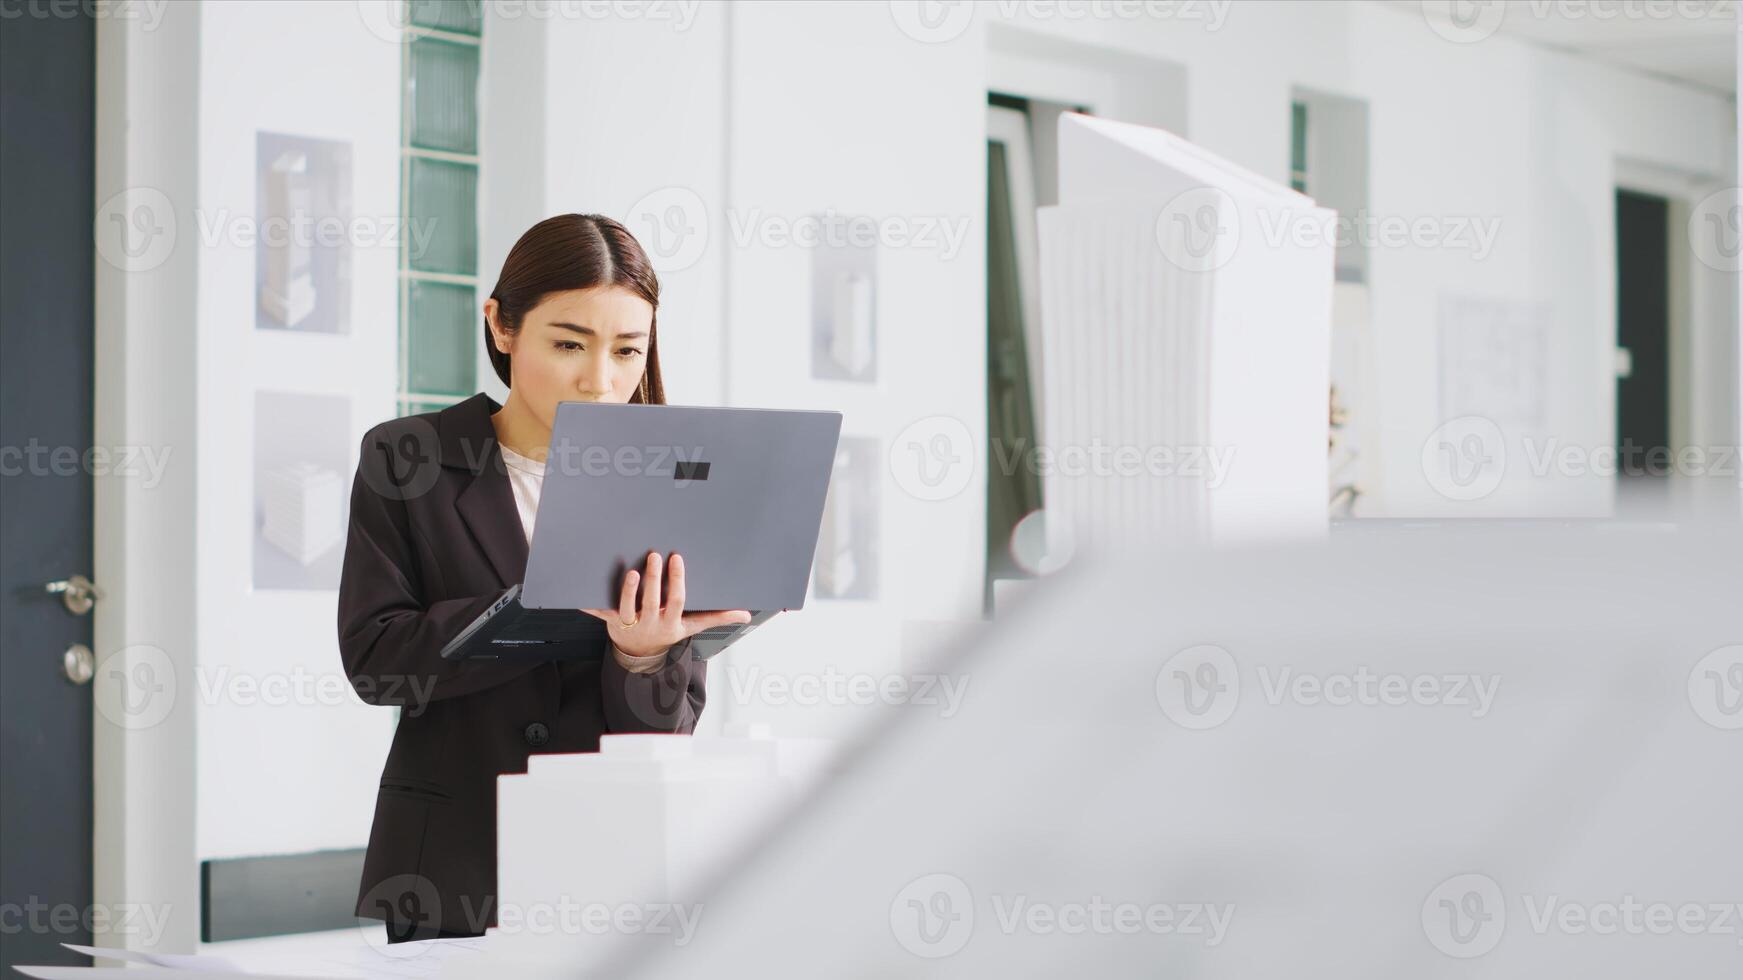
x=419, y=408
x=442, y=90
x=444, y=215
x=439, y=343
x=459, y=16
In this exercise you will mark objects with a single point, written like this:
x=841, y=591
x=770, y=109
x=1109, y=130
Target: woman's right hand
x=641, y=627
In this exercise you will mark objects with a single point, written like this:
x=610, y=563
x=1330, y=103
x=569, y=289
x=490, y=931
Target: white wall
x=299, y=775
x=145, y=626
x=833, y=107
x=572, y=121
x=635, y=113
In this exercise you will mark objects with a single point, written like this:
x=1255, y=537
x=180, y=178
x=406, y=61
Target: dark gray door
x=1643, y=329
x=47, y=117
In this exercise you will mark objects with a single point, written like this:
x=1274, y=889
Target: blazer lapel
x=486, y=506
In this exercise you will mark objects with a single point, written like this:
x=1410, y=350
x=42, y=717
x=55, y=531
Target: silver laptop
x=738, y=492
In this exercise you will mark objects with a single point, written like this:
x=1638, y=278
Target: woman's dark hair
x=575, y=251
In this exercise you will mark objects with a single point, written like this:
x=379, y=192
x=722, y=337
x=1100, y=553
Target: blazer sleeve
x=390, y=636
x=666, y=700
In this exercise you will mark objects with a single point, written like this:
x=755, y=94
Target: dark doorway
x=47, y=122
x=1643, y=331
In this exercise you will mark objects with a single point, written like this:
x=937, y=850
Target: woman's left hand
x=646, y=629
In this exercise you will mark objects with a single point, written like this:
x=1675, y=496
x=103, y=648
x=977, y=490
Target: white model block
x=304, y=510
x=1186, y=328
x=836, y=567
x=288, y=292
x=647, y=821
x=850, y=343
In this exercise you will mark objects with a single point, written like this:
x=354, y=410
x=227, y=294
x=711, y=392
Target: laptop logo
x=690, y=470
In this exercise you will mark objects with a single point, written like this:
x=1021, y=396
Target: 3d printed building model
x=643, y=824
x=1186, y=318
x=288, y=292
x=850, y=342
x=304, y=510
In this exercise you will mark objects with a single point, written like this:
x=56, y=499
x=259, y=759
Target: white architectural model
x=288, y=292
x=837, y=570
x=636, y=829
x=304, y=508
x=1186, y=325
x=850, y=326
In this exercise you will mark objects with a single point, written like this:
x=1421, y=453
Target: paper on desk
x=363, y=961
x=149, y=972
x=406, y=961
x=174, y=961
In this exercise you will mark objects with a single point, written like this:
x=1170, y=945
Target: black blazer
x=434, y=538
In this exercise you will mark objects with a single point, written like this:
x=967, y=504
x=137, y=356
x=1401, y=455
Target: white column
x=146, y=875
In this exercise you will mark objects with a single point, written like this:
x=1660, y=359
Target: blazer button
x=537, y=734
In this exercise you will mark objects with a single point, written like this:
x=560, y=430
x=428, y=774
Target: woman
x=441, y=515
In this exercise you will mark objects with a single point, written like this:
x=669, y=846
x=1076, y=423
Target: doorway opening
x=1643, y=346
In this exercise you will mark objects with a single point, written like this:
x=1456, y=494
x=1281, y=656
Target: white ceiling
x=1689, y=41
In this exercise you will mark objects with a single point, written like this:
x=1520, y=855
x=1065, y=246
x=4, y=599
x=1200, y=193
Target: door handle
x=77, y=592
x=78, y=663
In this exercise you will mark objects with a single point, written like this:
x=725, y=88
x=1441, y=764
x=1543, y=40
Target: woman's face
x=587, y=345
